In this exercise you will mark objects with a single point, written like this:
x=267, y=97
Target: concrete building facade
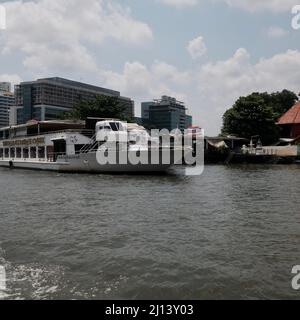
x=49, y=98
x=5, y=87
x=166, y=113
x=7, y=100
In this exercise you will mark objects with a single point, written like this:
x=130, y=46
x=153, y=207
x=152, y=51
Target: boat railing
x=53, y=156
x=89, y=147
x=50, y=158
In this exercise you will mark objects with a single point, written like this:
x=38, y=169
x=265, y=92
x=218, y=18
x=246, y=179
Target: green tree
x=101, y=107
x=257, y=114
x=280, y=102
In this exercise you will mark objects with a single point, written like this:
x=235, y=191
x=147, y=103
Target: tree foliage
x=100, y=107
x=257, y=114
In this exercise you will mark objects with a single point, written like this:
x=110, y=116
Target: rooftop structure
x=290, y=122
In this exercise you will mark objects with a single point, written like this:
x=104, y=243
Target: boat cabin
x=43, y=140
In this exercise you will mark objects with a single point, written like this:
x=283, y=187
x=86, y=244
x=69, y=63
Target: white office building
x=7, y=100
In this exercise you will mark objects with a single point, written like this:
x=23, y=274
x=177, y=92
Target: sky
x=206, y=53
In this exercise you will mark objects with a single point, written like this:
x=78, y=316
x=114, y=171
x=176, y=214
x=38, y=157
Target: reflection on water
x=233, y=232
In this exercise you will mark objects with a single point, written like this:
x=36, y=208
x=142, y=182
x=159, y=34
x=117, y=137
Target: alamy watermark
x=296, y=18
x=159, y=148
x=2, y=279
x=296, y=278
x=2, y=17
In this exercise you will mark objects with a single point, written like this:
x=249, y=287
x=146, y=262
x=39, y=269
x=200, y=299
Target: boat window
x=33, y=152
x=49, y=151
x=6, y=152
x=1, y=153
x=115, y=126
x=78, y=147
x=41, y=152
x=105, y=128
x=25, y=153
x=60, y=148
x=12, y=152
x=18, y=153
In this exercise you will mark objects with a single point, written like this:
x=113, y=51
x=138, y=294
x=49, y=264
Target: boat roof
x=230, y=138
x=49, y=125
x=134, y=126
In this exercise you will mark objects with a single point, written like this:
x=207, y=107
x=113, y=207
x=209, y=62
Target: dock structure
x=238, y=150
x=221, y=149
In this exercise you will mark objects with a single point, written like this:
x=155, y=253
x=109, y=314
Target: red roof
x=292, y=116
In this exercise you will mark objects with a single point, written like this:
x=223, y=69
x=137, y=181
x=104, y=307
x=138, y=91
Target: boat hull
x=83, y=163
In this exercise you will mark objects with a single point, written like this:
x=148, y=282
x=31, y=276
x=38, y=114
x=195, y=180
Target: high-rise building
x=189, y=121
x=7, y=100
x=166, y=113
x=48, y=99
x=5, y=87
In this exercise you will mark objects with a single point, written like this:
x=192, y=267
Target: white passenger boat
x=68, y=146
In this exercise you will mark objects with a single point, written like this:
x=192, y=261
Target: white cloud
x=248, y=5
x=221, y=83
x=262, y=5
x=171, y=74
x=179, y=3
x=197, y=48
x=147, y=83
x=276, y=32
x=208, y=90
x=213, y=87
x=53, y=34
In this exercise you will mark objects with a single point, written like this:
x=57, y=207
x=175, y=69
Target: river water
x=232, y=233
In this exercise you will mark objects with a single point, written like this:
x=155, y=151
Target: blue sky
x=204, y=52
x=224, y=28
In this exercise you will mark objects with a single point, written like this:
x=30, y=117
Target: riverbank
x=231, y=157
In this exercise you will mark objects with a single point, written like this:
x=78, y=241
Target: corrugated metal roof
x=292, y=116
